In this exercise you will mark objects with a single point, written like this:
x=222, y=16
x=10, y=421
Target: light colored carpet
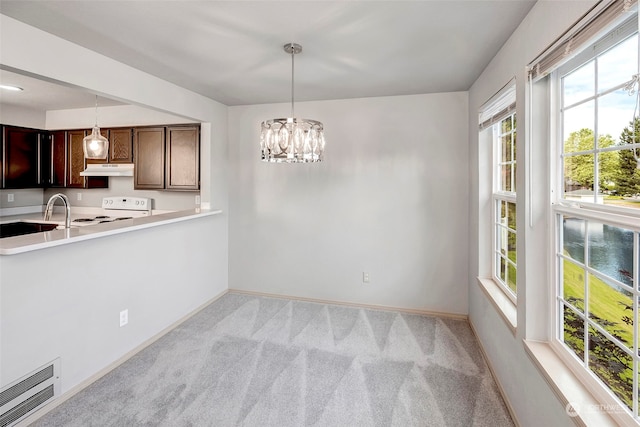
x=256, y=361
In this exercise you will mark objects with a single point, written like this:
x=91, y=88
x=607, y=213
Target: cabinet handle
x=51, y=159
x=4, y=156
x=39, y=162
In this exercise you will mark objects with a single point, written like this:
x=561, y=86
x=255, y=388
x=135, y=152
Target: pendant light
x=95, y=146
x=292, y=140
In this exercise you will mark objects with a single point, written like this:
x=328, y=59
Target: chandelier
x=95, y=146
x=292, y=140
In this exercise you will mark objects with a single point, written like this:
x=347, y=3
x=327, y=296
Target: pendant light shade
x=95, y=145
x=292, y=140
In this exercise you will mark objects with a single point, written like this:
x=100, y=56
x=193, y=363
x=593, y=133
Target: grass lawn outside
x=609, y=308
x=622, y=201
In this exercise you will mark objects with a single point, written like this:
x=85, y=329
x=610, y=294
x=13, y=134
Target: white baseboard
x=457, y=316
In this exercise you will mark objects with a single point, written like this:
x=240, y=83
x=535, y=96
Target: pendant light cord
x=293, y=54
x=96, y=111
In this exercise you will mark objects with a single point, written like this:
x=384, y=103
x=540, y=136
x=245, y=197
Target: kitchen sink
x=19, y=228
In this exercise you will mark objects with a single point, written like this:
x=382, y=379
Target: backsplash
x=123, y=186
x=21, y=197
x=118, y=186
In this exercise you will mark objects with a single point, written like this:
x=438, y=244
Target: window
x=497, y=192
x=600, y=138
x=504, y=204
x=597, y=213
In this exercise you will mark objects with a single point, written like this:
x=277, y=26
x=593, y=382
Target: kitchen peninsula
x=63, y=236
x=62, y=291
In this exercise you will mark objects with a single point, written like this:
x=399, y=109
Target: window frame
x=624, y=217
x=497, y=196
x=617, y=35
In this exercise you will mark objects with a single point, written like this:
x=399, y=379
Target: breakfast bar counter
x=63, y=236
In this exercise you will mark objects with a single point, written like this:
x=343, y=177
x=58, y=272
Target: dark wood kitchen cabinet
x=67, y=161
x=167, y=158
x=21, y=154
x=120, y=145
x=75, y=159
x=57, y=173
x=183, y=158
x=149, y=158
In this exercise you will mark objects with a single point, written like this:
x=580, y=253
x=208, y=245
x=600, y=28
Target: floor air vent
x=24, y=396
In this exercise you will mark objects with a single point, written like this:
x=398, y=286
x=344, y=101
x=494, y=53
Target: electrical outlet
x=365, y=277
x=10, y=197
x=79, y=196
x=124, y=317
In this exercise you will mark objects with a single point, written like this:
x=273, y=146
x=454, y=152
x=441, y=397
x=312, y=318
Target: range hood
x=108, y=169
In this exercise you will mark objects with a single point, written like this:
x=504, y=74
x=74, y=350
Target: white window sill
x=501, y=302
x=571, y=391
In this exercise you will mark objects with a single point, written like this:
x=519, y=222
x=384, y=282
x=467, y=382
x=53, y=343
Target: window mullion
x=636, y=366
x=585, y=284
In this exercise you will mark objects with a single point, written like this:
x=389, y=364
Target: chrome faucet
x=67, y=206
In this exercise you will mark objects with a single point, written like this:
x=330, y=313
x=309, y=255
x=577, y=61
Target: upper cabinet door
x=183, y=158
x=75, y=162
x=21, y=151
x=120, y=145
x=58, y=157
x=105, y=133
x=149, y=158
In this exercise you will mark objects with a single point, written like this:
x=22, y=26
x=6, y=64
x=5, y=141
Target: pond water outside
x=610, y=248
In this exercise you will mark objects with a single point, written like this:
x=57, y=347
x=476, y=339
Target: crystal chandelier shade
x=292, y=140
x=95, y=146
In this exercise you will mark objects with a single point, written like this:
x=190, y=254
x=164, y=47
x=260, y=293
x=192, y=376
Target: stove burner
x=103, y=218
x=111, y=219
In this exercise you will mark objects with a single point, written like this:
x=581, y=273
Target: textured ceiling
x=231, y=51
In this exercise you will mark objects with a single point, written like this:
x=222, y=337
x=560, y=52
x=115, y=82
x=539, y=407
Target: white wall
x=20, y=116
x=533, y=401
x=63, y=301
x=112, y=116
x=390, y=199
x=21, y=197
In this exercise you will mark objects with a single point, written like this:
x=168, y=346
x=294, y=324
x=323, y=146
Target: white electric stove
x=117, y=209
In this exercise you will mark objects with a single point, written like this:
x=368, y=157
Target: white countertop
x=61, y=236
